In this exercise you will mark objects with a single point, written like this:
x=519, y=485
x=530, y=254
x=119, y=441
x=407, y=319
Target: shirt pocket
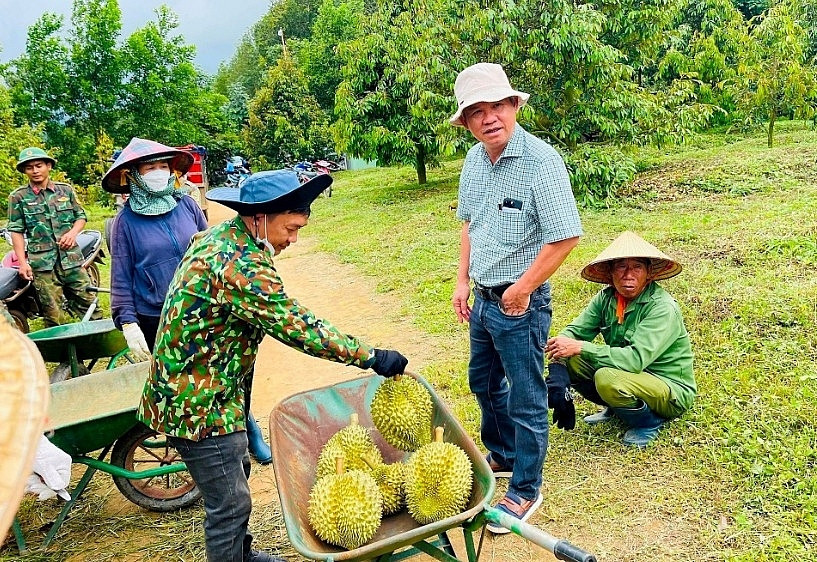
x=158, y=277
x=512, y=227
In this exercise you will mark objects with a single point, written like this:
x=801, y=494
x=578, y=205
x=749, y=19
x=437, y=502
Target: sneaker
x=499, y=470
x=261, y=556
x=517, y=507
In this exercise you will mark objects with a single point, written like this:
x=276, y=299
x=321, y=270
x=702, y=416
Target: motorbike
x=306, y=171
x=19, y=294
x=236, y=178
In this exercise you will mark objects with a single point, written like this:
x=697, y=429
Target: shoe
x=516, y=507
x=643, y=422
x=261, y=556
x=499, y=470
x=607, y=414
x=259, y=450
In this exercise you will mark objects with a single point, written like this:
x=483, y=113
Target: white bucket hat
x=630, y=245
x=482, y=82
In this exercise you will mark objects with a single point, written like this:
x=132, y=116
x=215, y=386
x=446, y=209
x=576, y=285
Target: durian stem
x=339, y=465
x=353, y=419
x=438, y=434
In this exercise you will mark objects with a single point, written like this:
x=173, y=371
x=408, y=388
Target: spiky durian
x=438, y=481
x=401, y=412
x=345, y=508
x=351, y=442
x=391, y=479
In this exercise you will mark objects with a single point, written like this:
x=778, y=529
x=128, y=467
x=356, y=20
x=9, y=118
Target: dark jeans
x=149, y=326
x=506, y=373
x=220, y=467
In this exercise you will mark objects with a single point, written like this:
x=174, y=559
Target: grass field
x=732, y=479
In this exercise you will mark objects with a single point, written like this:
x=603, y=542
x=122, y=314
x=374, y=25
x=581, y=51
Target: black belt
x=491, y=293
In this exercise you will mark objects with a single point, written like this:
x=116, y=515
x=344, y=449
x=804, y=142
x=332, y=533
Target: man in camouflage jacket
x=49, y=215
x=224, y=298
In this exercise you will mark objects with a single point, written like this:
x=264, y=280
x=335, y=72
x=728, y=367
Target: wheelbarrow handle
x=562, y=549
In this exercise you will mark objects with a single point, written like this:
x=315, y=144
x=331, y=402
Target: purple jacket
x=145, y=251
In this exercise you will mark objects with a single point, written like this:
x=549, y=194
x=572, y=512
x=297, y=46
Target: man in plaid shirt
x=520, y=223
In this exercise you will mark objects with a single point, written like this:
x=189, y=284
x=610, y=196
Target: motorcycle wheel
x=141, y=448
x=93, y=273
x=21, y=320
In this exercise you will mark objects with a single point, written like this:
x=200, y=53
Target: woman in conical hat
x=642, y=373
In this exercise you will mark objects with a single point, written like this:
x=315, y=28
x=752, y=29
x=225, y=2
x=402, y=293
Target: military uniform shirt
x=505, y=239
x=224, y=298
x=44, y=217
x=652, y=338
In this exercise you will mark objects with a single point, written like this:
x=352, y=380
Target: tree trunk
x=772, y=117
x=421, y=164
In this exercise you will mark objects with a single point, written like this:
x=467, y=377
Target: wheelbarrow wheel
x=142, y=448
x=63, y=371
x=93, y=273
x=20, y=319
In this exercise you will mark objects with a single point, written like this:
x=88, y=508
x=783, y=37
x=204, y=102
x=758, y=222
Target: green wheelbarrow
x=78, y=346
x=302, y=423
x=97, y=413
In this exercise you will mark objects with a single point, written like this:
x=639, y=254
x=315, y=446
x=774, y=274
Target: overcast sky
x=215, y=27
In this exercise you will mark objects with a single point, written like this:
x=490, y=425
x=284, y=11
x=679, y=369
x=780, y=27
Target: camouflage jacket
x=224, y=298
x=44, y=217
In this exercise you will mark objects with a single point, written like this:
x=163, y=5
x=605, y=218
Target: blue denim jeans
x=220, y=466
x=506, y=373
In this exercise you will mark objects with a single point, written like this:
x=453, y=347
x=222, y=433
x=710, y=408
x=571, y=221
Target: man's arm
x=516, y=298
x=18, y=242
x=463, y=289
x=69, y=239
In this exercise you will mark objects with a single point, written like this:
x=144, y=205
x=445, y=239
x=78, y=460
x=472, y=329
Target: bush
x=597, y=173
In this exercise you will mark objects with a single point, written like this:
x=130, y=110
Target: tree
x=13, y=138
x=285, y=122
x=778, y=79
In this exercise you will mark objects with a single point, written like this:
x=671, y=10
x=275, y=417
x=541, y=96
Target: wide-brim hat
x=630, y=245
x=269, y=192
x=482, y=82
x=143, y=150
x=33, y=153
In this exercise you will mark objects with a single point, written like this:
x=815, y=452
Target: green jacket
x=44, y=217
x=652, y=338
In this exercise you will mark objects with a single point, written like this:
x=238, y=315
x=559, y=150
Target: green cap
x=33, y=153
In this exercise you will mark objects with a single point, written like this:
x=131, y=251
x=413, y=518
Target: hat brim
x=300, y=198
x=489, y=96
x=599, y=272
x=181, y=162
x=22, y=163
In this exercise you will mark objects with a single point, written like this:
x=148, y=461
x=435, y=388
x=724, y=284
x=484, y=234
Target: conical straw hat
x=630, y=245
x=24, y=393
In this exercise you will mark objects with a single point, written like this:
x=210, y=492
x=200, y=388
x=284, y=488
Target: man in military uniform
x=49, y=215
x=225, y=297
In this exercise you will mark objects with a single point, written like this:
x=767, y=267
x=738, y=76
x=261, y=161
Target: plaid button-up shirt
x=506, y=238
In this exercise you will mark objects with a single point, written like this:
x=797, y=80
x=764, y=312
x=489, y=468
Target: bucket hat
x=482, y=82
x=143, y=150
x=33, y=153
x=630, y=245
x=272, y=191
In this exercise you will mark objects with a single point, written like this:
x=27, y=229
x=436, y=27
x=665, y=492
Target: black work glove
x=388, y=362
x=559, y=396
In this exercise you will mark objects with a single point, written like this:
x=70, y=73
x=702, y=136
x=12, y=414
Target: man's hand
x=514, y=301
x=388, y=362
x=25, y=271
x=139, y=349
x=559, y=396
x=460, y=301
x=67, y=240
x=562, y=347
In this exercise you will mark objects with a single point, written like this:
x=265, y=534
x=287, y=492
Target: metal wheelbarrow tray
x=302, y=423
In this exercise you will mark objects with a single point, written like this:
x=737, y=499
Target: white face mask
x=265, y=241
x=157, y=180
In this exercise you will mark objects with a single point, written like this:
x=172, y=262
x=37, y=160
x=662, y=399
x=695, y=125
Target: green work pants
x=622, y=389
x=61, y=291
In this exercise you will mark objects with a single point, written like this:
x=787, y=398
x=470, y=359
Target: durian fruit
x=438, y=481
x=401, y=412
x=391, y=479
x=351, y=442
x=345, y=508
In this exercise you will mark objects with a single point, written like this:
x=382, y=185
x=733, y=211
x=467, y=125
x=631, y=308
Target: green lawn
x=733, y=479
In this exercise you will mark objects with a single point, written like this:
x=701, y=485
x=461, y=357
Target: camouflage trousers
x=62, y=293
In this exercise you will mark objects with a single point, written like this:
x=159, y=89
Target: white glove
x=136, y=341
x=52, y=471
